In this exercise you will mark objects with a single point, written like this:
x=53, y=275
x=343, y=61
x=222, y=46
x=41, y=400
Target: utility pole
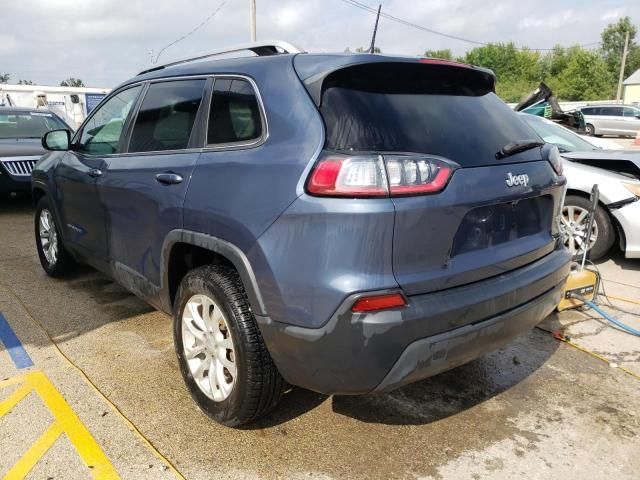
x=375, y=30
x=253, y=20
x=622, y=65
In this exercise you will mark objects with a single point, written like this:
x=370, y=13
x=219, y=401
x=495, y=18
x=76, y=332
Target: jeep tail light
x=416, y=175
x=342, y=176
x=553, y=155
x=378, y=175
x=378, y=302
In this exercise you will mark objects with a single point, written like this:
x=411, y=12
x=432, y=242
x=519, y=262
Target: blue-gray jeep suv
x=345, y=223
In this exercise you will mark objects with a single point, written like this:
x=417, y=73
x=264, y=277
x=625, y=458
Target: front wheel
x=222, y=356
x=591, y=131
x=575, y=213
x=54, y=257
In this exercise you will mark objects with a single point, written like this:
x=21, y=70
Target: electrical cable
x=617, y=323
x=86, y=378
x=204, y=22
x=374, y=11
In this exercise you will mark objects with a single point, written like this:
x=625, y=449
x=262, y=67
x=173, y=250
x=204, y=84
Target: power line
x=407, y=23
x=204, y=22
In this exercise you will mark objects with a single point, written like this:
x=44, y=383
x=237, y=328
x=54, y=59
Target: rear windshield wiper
x=517, y=147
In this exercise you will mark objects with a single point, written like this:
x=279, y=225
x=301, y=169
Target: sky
x=105, y=42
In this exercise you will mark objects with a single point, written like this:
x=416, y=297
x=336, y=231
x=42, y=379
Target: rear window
x=28, y=124
x=590, y=111
x=405, y=107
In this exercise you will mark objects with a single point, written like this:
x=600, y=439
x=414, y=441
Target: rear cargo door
x=497, y=211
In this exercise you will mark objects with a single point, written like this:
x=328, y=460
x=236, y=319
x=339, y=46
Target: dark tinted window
x=101, y=134
x=446, y=111
x=28, y=124
x=591, y=111
x=612, y=111
x=235, y=114
x=167, y=115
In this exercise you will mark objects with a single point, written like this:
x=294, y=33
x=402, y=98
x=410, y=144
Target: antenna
x=375, y=30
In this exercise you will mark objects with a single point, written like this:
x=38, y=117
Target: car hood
x=622, y=161
x=20, y=147
x=582, y=177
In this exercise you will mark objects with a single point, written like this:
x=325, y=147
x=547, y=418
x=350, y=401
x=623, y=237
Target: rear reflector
x=379, y=175
x=378, y=302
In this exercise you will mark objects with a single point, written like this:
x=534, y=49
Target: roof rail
x=261, y=49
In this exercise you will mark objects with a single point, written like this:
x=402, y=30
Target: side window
x=101, y=134
x=235, y=114
x=590, y=111
x=613, y=111
x=166, y=116
x=630, y=112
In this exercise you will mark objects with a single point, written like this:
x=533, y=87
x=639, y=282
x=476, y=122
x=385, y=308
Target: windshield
x=450, y=112
x=564, y=139
x=28, y=124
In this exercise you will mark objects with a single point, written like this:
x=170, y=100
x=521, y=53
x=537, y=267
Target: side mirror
x=57, y=140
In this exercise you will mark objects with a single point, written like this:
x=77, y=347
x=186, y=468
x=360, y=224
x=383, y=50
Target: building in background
x=72, y=104
x=631, y=92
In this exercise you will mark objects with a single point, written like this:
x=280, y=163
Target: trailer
x=72, y=104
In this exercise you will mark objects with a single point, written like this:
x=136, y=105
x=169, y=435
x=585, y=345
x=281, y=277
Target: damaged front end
x=543, y=103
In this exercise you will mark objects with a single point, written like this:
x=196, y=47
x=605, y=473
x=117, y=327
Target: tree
x=586, y=77
x=444, y=54
x=518, y=71
x=5, y=77
x=25, y=82
x=366, y=50
x=613, y=45
x=72, y=82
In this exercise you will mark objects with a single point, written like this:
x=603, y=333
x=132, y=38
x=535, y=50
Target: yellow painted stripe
x=14, y=398
x=78, y=435
x=35, y=453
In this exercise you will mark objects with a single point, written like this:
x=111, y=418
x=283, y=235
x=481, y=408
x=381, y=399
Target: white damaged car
x=617, y=174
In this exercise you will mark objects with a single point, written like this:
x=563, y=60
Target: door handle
x=94, y=172
x=169, y=178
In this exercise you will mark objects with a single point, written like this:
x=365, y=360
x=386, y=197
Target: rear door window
x=405, y=107
x=166, y=116
x=612, y=111
x=235, y=114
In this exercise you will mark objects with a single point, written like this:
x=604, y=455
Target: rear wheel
x=591, y=131
x=54, y=257
x=222, y=356
x=575, y=213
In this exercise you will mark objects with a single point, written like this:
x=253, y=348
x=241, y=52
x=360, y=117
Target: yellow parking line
x=13, y=399
x=35, y=453
x=65, y=421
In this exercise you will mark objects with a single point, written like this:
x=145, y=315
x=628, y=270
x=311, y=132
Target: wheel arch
x=184, y=250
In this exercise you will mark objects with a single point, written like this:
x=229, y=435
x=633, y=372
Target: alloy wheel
x=208, y=347
x=48, y=236
x=573, y=227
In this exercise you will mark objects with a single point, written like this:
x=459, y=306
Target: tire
x=605, y=235
x=249, y=384
x=54, y=257
x=591, y=131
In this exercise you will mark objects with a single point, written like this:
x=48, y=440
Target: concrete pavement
x=538, y=407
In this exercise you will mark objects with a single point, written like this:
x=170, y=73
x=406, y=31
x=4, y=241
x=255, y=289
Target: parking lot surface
x=103, y=358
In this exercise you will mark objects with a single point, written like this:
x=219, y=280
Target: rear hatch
x=494, y=210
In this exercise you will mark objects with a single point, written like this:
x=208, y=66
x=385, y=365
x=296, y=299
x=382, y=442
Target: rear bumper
x=360, y=353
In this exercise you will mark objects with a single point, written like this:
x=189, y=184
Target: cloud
x=104, y=42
